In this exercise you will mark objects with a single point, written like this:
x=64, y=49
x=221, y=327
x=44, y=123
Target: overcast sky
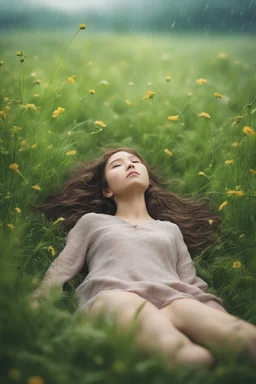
x=70, y=5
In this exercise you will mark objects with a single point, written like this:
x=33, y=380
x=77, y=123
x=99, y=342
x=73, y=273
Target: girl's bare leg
x=212, y=328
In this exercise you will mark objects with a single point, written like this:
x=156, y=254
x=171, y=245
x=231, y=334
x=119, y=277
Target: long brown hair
x=83, y=193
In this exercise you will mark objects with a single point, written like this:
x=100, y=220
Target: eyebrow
x=121, y=158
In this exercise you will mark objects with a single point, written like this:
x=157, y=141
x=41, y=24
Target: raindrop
x=173, y=24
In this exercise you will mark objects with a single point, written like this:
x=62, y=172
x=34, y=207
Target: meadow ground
x=187, y=103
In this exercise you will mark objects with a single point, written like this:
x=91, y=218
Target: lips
x=133, y=172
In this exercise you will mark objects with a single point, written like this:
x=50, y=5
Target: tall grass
x=212, y=156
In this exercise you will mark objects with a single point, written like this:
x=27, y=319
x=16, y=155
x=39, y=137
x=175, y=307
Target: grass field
x=198, y=128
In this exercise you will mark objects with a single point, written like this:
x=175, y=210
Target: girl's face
x=116, y=172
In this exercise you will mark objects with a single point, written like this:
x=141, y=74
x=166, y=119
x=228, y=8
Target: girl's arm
x=70, y=260
x=187, y=273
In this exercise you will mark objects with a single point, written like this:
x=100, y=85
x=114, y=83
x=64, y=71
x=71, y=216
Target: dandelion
x=10, y=226
x=128, y=102
x=14, y=167
x=201, y=81
x=3, y=115
x=57, y=112
x=218, y=95
x=173, y=118
x=210, y=221
x=204, y=114
x=248, y=131
x=100, y=123
x=51, y=249
x=6, y=99
x=92, y=91
x=69, y=133
x=71, y=79
x=82, y=26
x=33, y=146
x=31, y=106
x=237, y=193
x=35, y=380
x=236, y=264
x=37, y=187
x=252, y=170
x=18, y=210
x=36, y=94
x=16, y=128
x=241, y=236
x=235, y=144
x=201, y=173
x=149, y=95
x=238, y=118
x=169, y=153
x=222, y=205
x=229, y=161
x=18, y=53
x=71, y=153
x=168, y=78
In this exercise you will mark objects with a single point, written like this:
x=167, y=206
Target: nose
x=130, y=164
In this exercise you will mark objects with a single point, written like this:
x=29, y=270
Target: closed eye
x=135, y=161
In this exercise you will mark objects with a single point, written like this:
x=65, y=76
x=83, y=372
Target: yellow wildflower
x=189, y=93
x=201, y=173
x=6, y=99
x=71, y=153
x=49, y=146
x=33, y=146
x=18, y=210
x=252, y=170
x=89, y=64
x=218, y=95
x=3, y=115
x=36, y=187
x=10, y=226
x=37, y=81
x=238, y=118
x=18, y=53
x=16, y=128
x=149, y=95
x=82, y=26
x=173, y=118
x=130, y=83
x=237, y=193
x=168, y=78
x=52, y=250
x=36, y=95
x=100, y=123
x=236, y=264
x=222, y=205
x=248, y=131
x=169, y=153
x=235, y=144
x=31, y=106
x=210, y=221
x=71, y=79
x=69, y=133
x=92, y=91
x=128, y=102
x=241, y=236
x=204, y=114
x=35, y=380
x=57, y=112
x=14, y=167
x=201, y=81
x=229, y=161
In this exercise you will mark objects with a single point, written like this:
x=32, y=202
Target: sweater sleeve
x=71, y=259
x=187, y=271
